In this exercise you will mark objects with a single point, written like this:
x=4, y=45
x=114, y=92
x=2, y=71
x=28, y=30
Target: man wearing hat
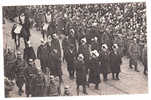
x=29, y=52
x=81, y=73
x=105, y=61
x=52, y=89
x=115, y=61
x=9, y=63
x=38, y=84
x=30, y=73
x=94, y=72
x=18, y=69
x=42, y=55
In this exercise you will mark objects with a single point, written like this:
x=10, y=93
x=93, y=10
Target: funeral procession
x=75, y=49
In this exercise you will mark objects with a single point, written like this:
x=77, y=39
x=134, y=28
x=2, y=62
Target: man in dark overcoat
x=39, y=85
x=81, y=78
x=105, y=62
x=115, y=61
x=18, y=69
x=94, y=72
x=29, y=53
x=42, y=55
x=30, y=73
x=9, y=62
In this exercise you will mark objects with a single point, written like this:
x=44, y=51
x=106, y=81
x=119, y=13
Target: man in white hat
x=115, y=61
x=105, y=61
x=94, y=69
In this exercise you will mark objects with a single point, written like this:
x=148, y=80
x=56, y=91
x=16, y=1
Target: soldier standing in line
x=52, y=89
x=38, y=85
x=30, y=73
x=18, y=69
x=9, y=62
x=134, y=51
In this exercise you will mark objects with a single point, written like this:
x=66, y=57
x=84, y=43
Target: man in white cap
x=42, y=55
x=115, y=61
x=81, y=74
x=29, y=52
x=94, y=66
x=105, y=61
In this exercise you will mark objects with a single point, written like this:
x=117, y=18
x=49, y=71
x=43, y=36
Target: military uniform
x=19, y=68
x=9, y=62
x=38, y=85
x=30, y=74
x=81, y=78
x=42, y=55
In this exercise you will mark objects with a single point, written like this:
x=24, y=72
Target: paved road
x=130, y=82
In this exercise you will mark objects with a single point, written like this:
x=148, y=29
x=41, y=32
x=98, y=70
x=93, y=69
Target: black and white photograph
x=75, y=49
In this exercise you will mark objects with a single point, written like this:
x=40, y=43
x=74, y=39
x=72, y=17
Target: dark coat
x=80, y=73
x=105, y=62
x=94, y=71
x=56, y=45
x=51, y=28
x=25, y=28
x=42, y=55
x=54, y=61
x=18, y=69
x=115, y=61
x=29, y=54
x=84, y=49
x=9, y=63
x=39, y=86
x=30, y=73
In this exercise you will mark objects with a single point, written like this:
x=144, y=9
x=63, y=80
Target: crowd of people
x=95, y=38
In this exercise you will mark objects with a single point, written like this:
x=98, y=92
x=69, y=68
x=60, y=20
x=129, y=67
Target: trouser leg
x=117, y=76
x=113, y=77
x=84, y=89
